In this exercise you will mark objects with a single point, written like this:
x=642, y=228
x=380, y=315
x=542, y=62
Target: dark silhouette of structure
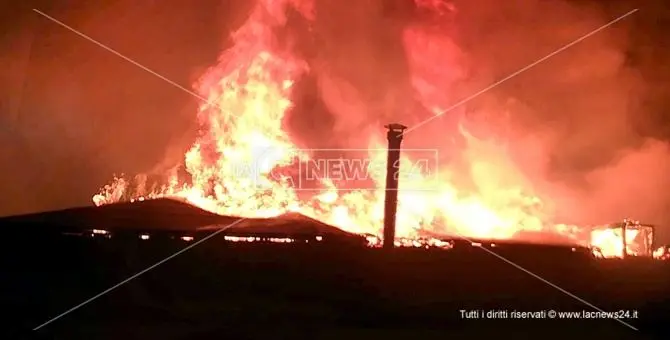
x=323, y=277
x=394, y=136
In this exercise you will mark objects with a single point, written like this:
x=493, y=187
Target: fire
x=248, y=94
x=610, y=242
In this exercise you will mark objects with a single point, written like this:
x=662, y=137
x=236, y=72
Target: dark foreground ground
x=219, y=290
x=332, y=289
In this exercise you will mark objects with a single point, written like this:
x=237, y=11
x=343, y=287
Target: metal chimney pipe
x=394, y=137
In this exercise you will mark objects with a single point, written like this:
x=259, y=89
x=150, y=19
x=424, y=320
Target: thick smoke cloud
x=572, y=124
x=72, y=114
x=358, y=74
x=582, y=108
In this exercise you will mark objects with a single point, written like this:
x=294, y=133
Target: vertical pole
x=624, y=228
x=394, y=137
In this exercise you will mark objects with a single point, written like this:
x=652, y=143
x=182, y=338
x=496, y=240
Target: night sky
x=73, y=114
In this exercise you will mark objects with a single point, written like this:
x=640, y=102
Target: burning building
x=253, y=89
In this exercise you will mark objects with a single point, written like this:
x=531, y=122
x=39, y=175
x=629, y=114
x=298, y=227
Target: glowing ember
x=232, y=165
x=259, y=239
x=662, y=253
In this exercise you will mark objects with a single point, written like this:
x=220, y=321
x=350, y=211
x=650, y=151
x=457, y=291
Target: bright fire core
x=248, y=94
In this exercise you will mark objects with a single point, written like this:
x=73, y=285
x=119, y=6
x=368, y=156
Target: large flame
x=249, y=91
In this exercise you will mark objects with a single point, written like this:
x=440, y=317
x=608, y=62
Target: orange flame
x=610, y=242
x=249, y=91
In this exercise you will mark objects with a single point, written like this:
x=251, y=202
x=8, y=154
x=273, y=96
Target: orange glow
x=609, y=239
x=610, y=242
x=249, y=92
x=661, y=253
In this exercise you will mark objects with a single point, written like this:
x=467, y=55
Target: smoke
x=359, y=74
x=580, y=110
x=570, y=125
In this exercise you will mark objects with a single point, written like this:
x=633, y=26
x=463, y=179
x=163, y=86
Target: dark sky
x=72, y=114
